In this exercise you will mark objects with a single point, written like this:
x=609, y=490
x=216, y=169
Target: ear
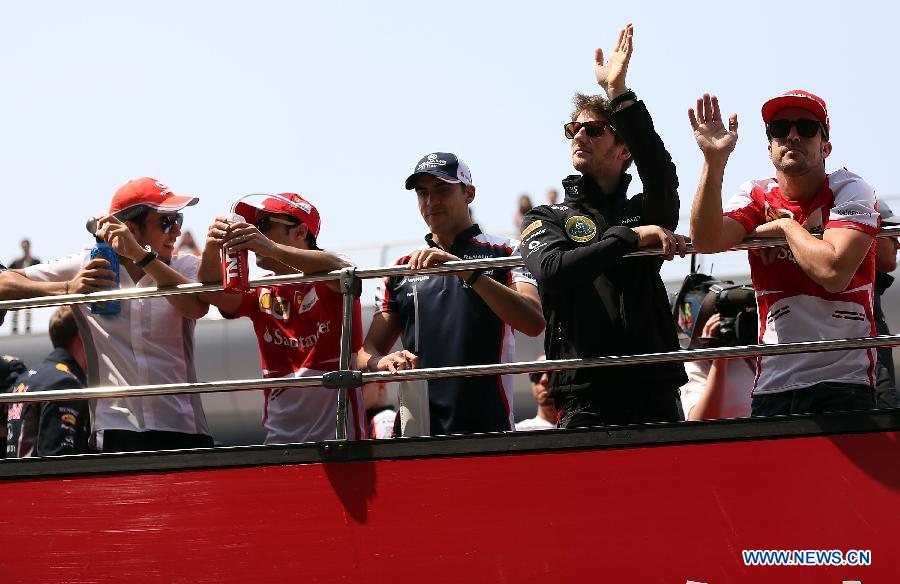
x=826, y=149
x=470, y=194
x=625, y=153
x=299, y=236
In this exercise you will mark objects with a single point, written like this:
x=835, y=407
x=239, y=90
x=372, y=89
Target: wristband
x=151, y=255
x=474, y=277
x=618, y=100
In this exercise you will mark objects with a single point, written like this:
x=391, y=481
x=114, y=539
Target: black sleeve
x=558, y=263
x=64, y=426
x=654, y=165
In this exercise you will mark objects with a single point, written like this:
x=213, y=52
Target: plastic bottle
x=235, y=269
x=102, y=249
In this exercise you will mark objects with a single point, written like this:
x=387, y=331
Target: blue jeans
x=828, y=396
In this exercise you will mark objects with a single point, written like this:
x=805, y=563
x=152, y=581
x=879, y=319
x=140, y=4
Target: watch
x=151, y=255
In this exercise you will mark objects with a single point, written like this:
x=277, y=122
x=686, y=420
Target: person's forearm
x=512, y=307
x=710, y=405
x=210, y=270
x=817, y=258
x=190, y=305
x=15, y=286
x=654, y=165
x=706, y=211
x=308, y=261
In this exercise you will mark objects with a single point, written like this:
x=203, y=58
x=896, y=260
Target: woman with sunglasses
x=812, y=288
x=149, y=341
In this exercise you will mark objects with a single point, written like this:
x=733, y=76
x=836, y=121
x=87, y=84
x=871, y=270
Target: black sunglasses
x=593, y=129
x=266, y=223
x=169, y=222
x=805, y=128
x=535, y=376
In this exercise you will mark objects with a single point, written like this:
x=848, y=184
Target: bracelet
x=142, y=263
x=474, y=277
x=618, y=100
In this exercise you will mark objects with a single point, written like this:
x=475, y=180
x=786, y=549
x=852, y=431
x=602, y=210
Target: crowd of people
x=577, y=283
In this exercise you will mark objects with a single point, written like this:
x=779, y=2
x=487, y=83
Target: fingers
x=693, y=119
x=598, y=56
x=733, y=123
x=629, y=40
x=680, y=244
x=96, y=263
x=707, y=108
x=400, y=361
x=620, y=42
x=717, y=113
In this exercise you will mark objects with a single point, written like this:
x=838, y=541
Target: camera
x=700, y=297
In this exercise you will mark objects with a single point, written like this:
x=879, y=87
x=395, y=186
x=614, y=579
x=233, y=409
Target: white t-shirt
x=535, y=423
x=739, y=379
x=148, y=343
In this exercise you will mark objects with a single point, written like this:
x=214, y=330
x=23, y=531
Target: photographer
x=714, y=313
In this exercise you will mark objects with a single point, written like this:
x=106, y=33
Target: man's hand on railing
x=398, y=361
x=653, y=235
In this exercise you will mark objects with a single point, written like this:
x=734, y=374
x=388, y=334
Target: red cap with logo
x=797, y=98
x=294, y=205
x=149, y=192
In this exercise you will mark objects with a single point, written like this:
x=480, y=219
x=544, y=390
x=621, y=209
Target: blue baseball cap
x=443, y=165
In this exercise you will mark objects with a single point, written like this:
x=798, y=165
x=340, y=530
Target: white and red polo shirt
x=298, y=329
x=792, y=307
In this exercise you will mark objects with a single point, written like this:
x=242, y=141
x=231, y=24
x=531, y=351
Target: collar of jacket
x=883, y=281
x=60, y=355
x=461, y=236
x=584, y=190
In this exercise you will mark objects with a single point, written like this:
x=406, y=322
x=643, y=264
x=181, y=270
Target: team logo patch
x=580, y=228
x=63, y=367
x=305, y=301
x=68, y=419
x=531, y=227
x=277, y=306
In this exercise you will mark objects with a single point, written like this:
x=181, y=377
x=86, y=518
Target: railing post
x=348, y=291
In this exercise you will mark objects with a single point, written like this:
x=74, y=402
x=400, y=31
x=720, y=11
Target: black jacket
x=885, y=388
x=595, y=301
x=49, y=428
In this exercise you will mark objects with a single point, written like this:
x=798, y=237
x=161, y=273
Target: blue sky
x=339, y=100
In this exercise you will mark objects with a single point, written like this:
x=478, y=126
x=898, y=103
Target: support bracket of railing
x=350, y=286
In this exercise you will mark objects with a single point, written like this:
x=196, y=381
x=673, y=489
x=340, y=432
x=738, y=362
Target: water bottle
x=235, y=269
x=102, y=249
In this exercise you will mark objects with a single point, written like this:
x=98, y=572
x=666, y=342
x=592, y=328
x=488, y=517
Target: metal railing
x=345, y=378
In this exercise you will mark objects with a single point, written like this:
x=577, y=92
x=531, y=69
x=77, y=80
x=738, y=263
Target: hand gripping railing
x=345, y=378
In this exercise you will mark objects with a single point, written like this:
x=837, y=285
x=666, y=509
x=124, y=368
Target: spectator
x=380, y=415
x=552, y=196
x=10, y=370
x=546, y=408
x=52, y=428
x=298, y=326
x=187, y=245
x=151, y=340
x=524, y=207
x=885, y=262
x=597, y=303
x=464, y=319
x=812, y=288
x=20, y=264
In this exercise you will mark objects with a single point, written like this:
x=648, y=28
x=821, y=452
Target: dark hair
x=136, y=214
x=63, y=329
x=599, y=106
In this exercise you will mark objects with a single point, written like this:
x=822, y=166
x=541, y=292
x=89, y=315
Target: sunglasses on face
x=805, y=128
x=266, y=223
x=169, y=222
x=593, y=129
x=535, y=377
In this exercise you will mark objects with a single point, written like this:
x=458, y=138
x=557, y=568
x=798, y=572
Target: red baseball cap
x=298, y=208
x=797, y=98
x=151, y=193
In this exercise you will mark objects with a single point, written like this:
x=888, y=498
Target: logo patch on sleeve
x=580, y=228
x=531, y=227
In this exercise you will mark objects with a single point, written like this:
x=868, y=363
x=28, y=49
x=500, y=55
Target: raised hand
x=215, y=236
x=242, y=235
x=611, y=74
x=120, y=238
x=714, y=140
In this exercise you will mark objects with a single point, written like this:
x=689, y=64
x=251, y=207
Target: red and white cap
x=293, y=205
x=797, y=98
x=149, y=192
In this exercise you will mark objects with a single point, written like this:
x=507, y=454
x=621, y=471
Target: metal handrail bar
x=382, y=272
x=460, y=371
